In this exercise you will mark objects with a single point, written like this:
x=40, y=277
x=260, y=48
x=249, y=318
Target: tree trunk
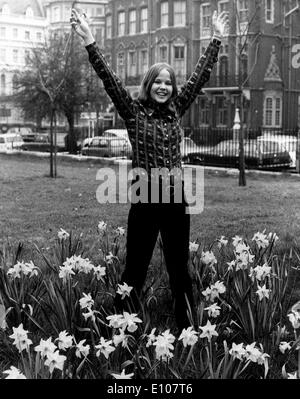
x=71, y=142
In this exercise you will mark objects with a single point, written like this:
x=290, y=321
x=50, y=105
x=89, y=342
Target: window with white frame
x=29, y=12
x=269, y=11
x=132, y=22
x=27, y=35
x=5, y=9
x=108, y=27
x=204, y=111
x=273, y=110
x=2, y=55
x=144, y=61
x=2, y=32
x=132, y=63
x=67, y=13
x=164, y=14
x=15, y=33
x=205, y=20
x=26, y=55
x=2, y=84
x=243, y=10
x=121, y=23
x=39, y=36
x=180, y=13
x=99, y=11
x=144, y=20
x=223, y=71
x=121, y=65
x=55, y=15
x=163, y=53
x=223, y=6
x=15, y=55
x=222, y=111
x=179, y=60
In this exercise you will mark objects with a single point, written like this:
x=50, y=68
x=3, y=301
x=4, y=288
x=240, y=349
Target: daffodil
x=294, y=318
x=164, y=346
x=81, y=349
x=263, y=292
x=188, y=336
x=110, y=258
x=102, y=227
x=63, y=234
x=100, y=271
x=90, y=314
x=124, y=290
x=45, y=347
x=104, y=347
x=208, y=258
x=213, y=310
x=236, y=240
x=14, y=374
x=65, y=272
x=129, y=321
x=193, y=247
x=86, y=301
x=23, y=268
x=65, y=340
x=55, y=361
x=122, y=376
x=222, y=241
x=120, y=231
x=208, y=331
x=120, y=338
x=237, y=351
x=151, y=338
x=20, y=337
x=115, y=320
x=261, y=239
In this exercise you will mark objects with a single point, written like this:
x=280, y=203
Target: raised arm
x=192, y=88
x=113, y=85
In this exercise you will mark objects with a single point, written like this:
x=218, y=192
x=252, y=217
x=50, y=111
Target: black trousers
x=145, y=222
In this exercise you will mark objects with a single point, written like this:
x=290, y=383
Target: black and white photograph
x=150, y=193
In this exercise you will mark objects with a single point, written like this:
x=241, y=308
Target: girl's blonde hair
x=150, y=76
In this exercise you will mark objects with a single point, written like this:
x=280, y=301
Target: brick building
x=257, y=61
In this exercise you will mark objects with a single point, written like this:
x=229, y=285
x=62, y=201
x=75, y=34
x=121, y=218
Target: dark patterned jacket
x=154, y=135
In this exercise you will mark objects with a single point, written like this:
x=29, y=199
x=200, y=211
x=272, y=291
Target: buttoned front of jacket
x=155, y=136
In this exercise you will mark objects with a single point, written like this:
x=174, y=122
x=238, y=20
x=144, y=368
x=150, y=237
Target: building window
x=179, y=60
x=2, y=84
x=99, y=11
x=39, y=36
x=273, y=111
x=121, y=23
x=29, y=12
x=2, y=55
x=180, y=13
x=108, y=27
x=5, y=9
x=15, y=84
x=144, y=61
x=222, y=111
x=163, y=53
x=205, y=20
x=2, y=32
x=224, y=6
x=132, y=63
x=15, y=56
x=164, y=14
x=204, y=111
x=56, y=14
x=27, y=35
x=144, y=20
x=244, y=68
x=269, y=11
x=26, y=55
x=132, y=22
x=120, y=65
x=243, y=11
x=223, y=71
x=15, y=33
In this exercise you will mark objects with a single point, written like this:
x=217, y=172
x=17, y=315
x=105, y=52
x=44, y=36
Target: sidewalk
x=120, y=160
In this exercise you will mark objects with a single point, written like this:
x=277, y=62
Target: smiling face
x=162, y=89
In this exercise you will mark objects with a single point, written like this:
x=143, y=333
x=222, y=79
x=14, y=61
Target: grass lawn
x=33, y=207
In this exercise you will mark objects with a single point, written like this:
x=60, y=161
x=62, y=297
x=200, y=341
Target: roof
x=20, y=6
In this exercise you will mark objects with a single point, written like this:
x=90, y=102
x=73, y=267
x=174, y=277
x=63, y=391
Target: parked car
x=120, y=133
x=188, y=146
x=40, y=142
x=258, y=154
x=10, y=142
x=288, y=142
x=25, y=132
x=101, y=146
